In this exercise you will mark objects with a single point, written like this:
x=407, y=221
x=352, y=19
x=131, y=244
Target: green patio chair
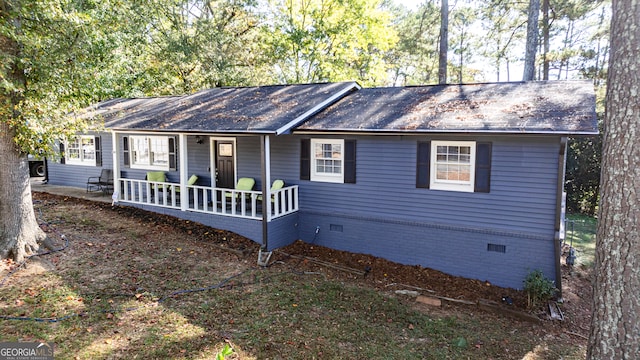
x=156, y=176
x=192, y=180
x=244, y=184
x=277, y=185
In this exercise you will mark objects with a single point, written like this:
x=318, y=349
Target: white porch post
x=184, y=172
x=267, y=175
x=116, y=165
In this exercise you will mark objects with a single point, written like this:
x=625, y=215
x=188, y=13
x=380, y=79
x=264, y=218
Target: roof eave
x=193, y=131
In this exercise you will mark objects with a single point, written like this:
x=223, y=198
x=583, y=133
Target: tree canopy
x=329, y=40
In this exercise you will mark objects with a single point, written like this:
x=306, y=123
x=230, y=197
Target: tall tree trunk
x=545, y=39
x=444, y=42
x=615, y=326
x=19, y=230
x=596, y=72
x=532, y=40
x=461, y=57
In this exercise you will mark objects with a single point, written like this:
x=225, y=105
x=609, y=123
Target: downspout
x=560, y=198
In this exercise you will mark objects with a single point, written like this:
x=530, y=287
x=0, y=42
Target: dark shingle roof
x=260, y=109
x=563, y=107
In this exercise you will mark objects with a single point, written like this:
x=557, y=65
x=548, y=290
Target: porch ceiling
x=541, y=107
x=261, y=109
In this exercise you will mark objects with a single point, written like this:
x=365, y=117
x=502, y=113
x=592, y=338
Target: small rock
x=407, y=292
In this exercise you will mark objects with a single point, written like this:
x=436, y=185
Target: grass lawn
x=581, y=234
x=131, y=289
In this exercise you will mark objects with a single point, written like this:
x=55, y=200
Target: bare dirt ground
x=388, y=276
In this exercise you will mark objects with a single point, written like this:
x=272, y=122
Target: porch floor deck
x=37, y=185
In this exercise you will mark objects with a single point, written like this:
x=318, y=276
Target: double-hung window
x=81, y=150
x=327, y=160
x=149, y=152
x=453, y=165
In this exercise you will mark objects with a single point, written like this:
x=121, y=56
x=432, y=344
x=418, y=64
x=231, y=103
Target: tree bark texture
x=615, y=327
x=532, y=41
x=19, y=229
x=444, y=42
x=20, y=233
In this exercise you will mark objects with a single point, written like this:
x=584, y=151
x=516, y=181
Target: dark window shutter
x=125, y=150
x=483, y=167
x=62, y=159
x=172, y=153
x=422, y=164
x=305, y=159
x=98, y=147
x=350, y=161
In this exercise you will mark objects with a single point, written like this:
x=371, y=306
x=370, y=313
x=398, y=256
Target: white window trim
x=147, y=166
x=452, y=185
x=326, y=177
x=81, y=161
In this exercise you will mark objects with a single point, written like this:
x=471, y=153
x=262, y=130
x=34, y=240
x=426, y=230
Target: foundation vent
x=497, y=248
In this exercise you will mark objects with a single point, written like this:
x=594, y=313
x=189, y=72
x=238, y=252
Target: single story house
x=466, y=179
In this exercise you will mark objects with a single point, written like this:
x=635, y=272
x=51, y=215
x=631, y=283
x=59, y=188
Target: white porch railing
x=217, y=201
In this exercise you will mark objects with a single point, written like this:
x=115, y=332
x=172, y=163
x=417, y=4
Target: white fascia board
x=335, y=97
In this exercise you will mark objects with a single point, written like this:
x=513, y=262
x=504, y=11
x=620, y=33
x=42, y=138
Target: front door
x=225, y=165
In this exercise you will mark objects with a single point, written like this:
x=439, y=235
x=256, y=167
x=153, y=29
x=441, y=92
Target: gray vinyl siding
x=77, y=175
x=198, y=159
x=384, y=214
x=522, y=197
x=248, y=159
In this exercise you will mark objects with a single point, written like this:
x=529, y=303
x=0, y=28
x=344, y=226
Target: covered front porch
x=249, y=204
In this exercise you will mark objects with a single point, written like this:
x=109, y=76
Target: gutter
x=439, y=131
x=191, y=132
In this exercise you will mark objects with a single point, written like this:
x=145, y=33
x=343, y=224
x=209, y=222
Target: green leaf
x=460, y=342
